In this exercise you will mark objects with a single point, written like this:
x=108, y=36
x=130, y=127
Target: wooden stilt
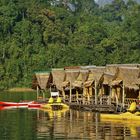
x=123, y=95
x=110, y=94
x=63, y=93
x=50, y=90
x=43, y=95
x=70, y=92
x=139, y=93
x=96, y=98
x=84, y=94
x=77, y=94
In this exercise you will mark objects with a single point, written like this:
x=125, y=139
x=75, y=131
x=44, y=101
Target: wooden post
x=77, y=95
x=43, y=95
x=84, y=95
x=123, y=95
x=63, y=93
x=70, y=92
x=139, y=92
x=96, y=98
x=110, y=96
x=50, y=90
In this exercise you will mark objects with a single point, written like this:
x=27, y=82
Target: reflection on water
x=33, y=124
x=37, y=124
x=83, y=125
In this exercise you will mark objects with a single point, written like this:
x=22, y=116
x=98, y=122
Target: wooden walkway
x=93, y=108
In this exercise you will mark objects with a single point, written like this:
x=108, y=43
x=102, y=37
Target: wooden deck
x=93, y=108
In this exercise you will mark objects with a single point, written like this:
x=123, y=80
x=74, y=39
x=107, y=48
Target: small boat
x=15, y=104
x=58, y=105
x=123, y=116
x=55, y=106
x=7, y=107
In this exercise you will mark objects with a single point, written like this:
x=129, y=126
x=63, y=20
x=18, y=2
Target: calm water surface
x=35, y=124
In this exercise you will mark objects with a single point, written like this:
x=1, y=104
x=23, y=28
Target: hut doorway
x=106, y=90
x=67, y=95
x=131, y=95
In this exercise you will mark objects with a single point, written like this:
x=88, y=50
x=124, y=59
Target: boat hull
x=15, y=104
x=55, y=106
x=124, y=116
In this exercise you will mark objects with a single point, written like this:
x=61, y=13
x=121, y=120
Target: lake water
x=37, y=124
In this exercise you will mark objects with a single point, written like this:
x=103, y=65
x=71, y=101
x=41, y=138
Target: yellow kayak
x=123, y=116
x=55, y=106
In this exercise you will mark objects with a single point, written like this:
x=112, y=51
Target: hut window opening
x=131, y=93
x=106, y=89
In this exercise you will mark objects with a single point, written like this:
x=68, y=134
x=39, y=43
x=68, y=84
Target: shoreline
x=21, y=90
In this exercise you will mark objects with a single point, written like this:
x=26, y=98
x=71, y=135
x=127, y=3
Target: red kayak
x=15, y=104
x=35, y=104
x=7, y=107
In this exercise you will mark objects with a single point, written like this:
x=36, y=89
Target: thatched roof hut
x=82, y=77
x=107, y=78
x=58, y=75
x=70, y=76
x=42, y=79
x=128, y=75
x=94, y=74
x=112, y=69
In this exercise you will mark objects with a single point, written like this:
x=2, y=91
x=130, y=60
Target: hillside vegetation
x=36, y=35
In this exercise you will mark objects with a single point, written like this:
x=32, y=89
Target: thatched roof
x=72, y=68
x=58, y=77
x=82, y=77
x=132, y=86
x=129, y=75
x=43, y=79
x=90, y=80
x=123, y=65
x=107, y=78
x=88, y=67
x=88, y=83
x=115, y=82
x=112, y=69
x=70, y=76
x=97, y=73
x=94, y=74
x=137, y=82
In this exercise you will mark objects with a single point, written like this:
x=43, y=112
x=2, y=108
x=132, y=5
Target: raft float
x=58, y=105
x=130, y=115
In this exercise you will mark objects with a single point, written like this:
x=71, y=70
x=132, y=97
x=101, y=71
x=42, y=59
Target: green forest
x=37, y=35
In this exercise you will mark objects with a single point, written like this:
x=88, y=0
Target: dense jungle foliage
x=36, y=35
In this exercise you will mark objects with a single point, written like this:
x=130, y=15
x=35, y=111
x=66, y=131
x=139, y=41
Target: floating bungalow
x=125, y=90
x=58, y=75
x=69, y=92
x=41, y=82
x=97, y=87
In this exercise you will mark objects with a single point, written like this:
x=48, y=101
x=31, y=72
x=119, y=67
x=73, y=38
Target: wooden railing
x=128, y=101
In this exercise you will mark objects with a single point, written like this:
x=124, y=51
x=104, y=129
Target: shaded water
x=35, y=124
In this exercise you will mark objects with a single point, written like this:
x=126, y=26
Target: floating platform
x=94, y=108
x=55, y=106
